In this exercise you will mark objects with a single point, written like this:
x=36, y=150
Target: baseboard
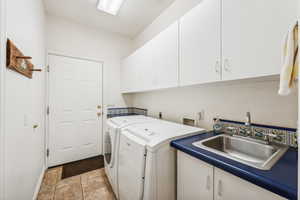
x=39, y=183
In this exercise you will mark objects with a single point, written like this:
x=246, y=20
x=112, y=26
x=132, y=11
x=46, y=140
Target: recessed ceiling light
x=110, y=6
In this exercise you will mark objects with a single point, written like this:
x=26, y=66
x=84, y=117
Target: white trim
x=39, y=183
x=55, y=53
x=2, y=93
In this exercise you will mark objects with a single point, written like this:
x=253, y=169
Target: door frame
x=47, y=122
x=3, y=36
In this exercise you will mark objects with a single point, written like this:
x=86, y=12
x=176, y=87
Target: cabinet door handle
x=226, y=65
x=217, y=67
x=220, y=188
x=208, y=182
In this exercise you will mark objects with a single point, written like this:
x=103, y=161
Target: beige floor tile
x=46, y=192
x=69, y=189
x=86, y=177
x=92, y=185
x=53, y=176
x=96, y=188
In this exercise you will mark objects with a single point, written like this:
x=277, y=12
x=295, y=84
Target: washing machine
x=147, y=162
x=111, y=141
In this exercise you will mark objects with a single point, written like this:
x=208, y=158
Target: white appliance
x=111, y=142
x=147, y=162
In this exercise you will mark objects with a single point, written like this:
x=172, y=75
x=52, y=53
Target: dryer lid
x=157, y=132
x=127, y=120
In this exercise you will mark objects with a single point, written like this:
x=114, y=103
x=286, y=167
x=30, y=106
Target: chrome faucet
x=248, y=119
x=248, y=124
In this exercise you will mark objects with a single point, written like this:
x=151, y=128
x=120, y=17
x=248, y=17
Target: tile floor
x=92, y=185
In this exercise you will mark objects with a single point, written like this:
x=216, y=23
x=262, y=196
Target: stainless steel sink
x=252, y=153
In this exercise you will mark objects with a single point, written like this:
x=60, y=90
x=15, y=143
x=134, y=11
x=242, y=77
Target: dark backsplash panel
x=116, y=112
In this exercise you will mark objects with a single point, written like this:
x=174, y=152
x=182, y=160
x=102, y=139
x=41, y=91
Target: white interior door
x=75, y=102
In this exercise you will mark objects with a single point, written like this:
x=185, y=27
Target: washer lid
x=127, y=120
x=157, y=132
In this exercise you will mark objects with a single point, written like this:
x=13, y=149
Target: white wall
x=177, y=9
x=24, y=102
x=229, y=100
x=74, y=39
x=2, y=81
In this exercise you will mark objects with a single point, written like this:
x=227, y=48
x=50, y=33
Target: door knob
x=35, y=126
x=99, y=107
x=99, y=114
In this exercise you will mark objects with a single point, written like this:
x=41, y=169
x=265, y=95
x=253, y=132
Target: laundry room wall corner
x=2, y=81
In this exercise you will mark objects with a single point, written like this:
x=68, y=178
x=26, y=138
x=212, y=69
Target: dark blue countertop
x=280, y=179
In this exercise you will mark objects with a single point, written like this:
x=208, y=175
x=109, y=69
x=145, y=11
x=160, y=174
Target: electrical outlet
x=160, y=115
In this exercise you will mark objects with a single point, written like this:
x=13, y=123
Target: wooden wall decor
x=16, y=60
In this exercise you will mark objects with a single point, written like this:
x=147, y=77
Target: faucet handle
x=244, y=131
x=232, y=130
x=274, y=136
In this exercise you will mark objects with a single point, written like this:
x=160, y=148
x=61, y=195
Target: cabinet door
x=200, y=44
x=154, y=65
x=145, y=68
x=165, y=58
x=195, y=178
x=253, y=35
x=130, y=76
x=126, y=75
x=229, y=187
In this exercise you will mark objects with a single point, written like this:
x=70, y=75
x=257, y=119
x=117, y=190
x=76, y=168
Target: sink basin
x=252, y=153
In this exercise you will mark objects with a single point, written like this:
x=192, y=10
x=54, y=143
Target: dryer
x=111, y=141
x=147, y=162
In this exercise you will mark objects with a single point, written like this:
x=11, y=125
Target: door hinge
x=47, y=152
x=48, y=110
x=48, y=68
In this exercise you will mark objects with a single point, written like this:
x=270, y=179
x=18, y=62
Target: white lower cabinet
x=198, y=180
x=195, y=178
x=229, y=187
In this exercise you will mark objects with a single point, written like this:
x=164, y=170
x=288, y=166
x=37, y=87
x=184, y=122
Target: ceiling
x=132, y=18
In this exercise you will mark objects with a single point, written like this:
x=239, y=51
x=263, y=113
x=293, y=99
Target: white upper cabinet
x=129, y=73
x=165, y=58
x=253, y=36
x=216, y=40
x=153, y=66
x=126, y=79
x=200, y=44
